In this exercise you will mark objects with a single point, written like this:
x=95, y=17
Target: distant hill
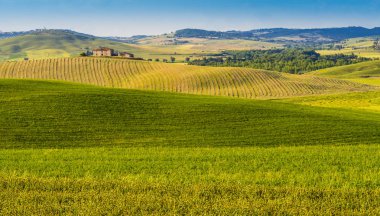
x=132, y=40
x=4, y=35
x=40, y=44
x=193, y=43
x=12, y=34
x=323, y=34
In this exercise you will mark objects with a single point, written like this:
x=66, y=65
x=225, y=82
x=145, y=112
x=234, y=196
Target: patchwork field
x=232, y=82
x=77, y=149
x=196, y=48
x=359, y=46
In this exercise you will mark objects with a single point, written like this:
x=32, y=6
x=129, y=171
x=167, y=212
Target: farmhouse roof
x=102, y=49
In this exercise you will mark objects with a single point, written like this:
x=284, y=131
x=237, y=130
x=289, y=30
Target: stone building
x=104, y=51
x=126, y=55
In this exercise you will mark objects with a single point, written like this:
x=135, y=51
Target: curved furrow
x=234, y=82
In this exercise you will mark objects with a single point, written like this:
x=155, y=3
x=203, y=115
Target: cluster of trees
x=295, y=61
x=376, y=44
x=172, y=60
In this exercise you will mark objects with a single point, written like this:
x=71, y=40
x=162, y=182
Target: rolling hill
x=54, y=44
x=233, y=82
x=57, y=115
x=365, y=72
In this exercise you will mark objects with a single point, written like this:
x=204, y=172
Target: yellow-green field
x=232, y=82
x=47, y=53
x=368, y=101
x=367, y=53
x=365, y=72
x=72, y=149
x=368, y=81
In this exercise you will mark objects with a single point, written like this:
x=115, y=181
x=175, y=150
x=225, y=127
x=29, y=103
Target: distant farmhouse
x=104, y=51
x=126, y=55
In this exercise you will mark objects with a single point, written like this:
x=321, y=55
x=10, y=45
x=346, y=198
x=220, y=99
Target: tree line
x=376, y=44
x=295, y=61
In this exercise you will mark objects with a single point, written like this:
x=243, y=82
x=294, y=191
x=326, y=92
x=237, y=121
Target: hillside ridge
x=326, y=34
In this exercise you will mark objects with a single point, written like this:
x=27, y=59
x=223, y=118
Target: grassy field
x=77, y=149
x=143, y=75
x=53, y=115
x=168, y=181
x=366, y=72
x=368, y=101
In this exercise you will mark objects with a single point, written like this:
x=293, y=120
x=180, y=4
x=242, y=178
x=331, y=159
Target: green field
x=53, y=115
x=365, y=72
x=77, y=149
x=318, y=180
x=368, y=101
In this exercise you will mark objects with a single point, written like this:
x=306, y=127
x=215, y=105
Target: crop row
x=118, y=73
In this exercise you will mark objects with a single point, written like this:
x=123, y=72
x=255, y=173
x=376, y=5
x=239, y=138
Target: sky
x=152, y=17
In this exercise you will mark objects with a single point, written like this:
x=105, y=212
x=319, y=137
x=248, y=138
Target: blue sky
x=133, y=17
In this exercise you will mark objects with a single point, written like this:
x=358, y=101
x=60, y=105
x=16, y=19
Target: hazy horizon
x=149, y=17
x=26, y=30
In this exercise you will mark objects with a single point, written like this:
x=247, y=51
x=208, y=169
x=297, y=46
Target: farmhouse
x=126, y=55
x=103, y=51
